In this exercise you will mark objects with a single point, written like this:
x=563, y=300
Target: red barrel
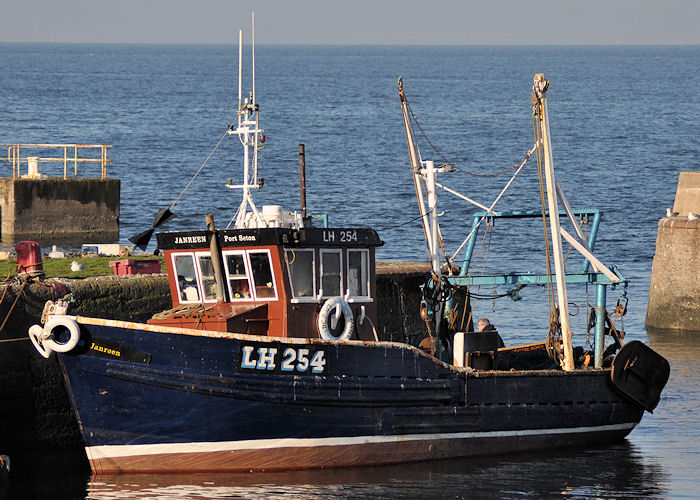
x=29, y=258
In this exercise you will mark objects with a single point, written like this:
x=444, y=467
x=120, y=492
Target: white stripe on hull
x=133, y=450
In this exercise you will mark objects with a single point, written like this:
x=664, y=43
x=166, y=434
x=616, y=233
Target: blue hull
x=155, y=398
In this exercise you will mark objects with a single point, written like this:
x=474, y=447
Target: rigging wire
x=388, y=228
x=419, y=181
x=500, y=195
x=444, y=158
x=200, y=169
x=464, y=289
x=415, y=157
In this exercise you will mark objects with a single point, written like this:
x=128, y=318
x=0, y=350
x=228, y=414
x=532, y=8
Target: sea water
x=624, y=122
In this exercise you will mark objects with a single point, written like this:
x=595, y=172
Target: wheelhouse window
x=238, y=283
x=186, y=274
x=194, y=274
x=263, y=277
x=331, y=273
x=358, y=273
x=300, y=264
x=208, y=281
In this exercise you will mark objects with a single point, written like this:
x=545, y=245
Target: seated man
x=484, y=325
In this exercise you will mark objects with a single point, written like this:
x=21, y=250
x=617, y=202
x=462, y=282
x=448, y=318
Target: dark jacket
x=491, y=328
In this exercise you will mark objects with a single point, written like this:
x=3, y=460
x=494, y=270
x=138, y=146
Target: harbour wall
x=53, y=207
x=36, y=412
x=674, y=293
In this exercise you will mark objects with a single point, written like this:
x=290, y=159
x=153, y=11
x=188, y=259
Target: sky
x=331, y=22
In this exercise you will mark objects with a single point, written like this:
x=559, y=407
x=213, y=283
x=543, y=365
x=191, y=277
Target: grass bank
x=61, y=268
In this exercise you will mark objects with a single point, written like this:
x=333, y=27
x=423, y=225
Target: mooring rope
x=19, y=294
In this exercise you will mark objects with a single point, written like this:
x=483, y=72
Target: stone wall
x=36, y=412
x=674, y=293
x=43, y=209
x=687, y=194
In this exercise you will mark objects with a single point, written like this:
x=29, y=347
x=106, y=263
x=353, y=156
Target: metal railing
x=32, y=157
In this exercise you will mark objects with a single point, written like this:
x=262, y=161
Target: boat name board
x=340, y=236
x=179, y=240
x=99, y=347
x=282, y=360
x=239, y=238
x=311, y=236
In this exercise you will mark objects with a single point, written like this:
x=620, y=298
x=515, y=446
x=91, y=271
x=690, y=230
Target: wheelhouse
x=274, y=281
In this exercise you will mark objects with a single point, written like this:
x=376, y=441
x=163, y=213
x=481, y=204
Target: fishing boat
x=269, y=358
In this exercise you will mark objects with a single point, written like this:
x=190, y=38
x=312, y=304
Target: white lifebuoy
x=36, y=335
x=332, y=309
x=61, y=322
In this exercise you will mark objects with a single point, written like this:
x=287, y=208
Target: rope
x=500, y=195
x=614, y=331
x=424, y=316
x=387, y=228
x=517, y=169
x=444, y=253
x=476, y=259
x=588, y=315
x=442, y=156
x=200, y=169
x=465, y=290
x=553, y=343
x=19, y=294
x=551, y=303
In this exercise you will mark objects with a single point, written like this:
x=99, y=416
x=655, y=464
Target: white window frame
x=246, y=265
x=359, y=298
x=322, y=294
x=314, y=295
x=272, y=273
x=198, y=276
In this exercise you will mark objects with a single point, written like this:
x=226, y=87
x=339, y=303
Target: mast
x=539, y=88
x=249, y=133
x=425, y=177
x=415, y=167
x=433, y=241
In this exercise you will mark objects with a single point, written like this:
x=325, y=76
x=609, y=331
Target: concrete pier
x=58, y=202
x=52, y=207
x=674, y=294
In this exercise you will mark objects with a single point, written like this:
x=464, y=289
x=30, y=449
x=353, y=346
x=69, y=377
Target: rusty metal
x=302, y=180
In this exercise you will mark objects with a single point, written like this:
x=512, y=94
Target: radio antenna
x=251, y=135
x=253, y=45
x=240, y=72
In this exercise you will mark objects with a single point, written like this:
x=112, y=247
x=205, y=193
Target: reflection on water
x=672, y=431
x=659, y=459
x=608, y=472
